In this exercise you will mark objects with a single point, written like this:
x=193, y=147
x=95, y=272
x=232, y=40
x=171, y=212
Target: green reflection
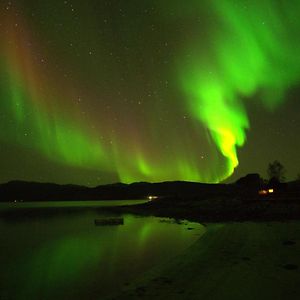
x=68, y=257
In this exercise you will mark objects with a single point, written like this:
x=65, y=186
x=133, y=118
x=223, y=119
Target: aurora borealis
x=102, y=91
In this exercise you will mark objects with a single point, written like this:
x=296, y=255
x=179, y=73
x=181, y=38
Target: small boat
x=109, y=221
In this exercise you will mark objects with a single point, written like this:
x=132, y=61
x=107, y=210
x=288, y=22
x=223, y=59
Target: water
x=65, y=256
x=70, y=204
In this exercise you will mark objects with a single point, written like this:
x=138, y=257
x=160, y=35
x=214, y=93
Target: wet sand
x=247, y=260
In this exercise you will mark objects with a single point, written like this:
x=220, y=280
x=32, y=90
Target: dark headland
x=246, y=199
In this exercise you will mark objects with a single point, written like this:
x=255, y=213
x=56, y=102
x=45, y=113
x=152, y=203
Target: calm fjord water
x=65, y=256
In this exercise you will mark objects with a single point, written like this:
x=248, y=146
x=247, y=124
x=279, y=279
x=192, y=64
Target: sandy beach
x=250, y=260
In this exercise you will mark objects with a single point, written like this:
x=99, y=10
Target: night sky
x=95, y=92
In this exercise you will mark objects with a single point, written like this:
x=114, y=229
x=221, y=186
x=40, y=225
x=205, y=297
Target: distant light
x=266, y=192
x=263, y=192
x=152, y=197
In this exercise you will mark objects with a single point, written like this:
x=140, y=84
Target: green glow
x=72, y=144
x=73, y=258
x=17, y=100
x=254, y=49
x=158, y=98
x=55, y=136
x=222, y=115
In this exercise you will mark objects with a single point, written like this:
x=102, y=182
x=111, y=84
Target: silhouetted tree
x=276, y=171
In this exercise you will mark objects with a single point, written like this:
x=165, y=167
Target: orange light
x=263, y=192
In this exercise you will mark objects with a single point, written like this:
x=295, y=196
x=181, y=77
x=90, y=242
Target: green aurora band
x=255, y=52
x=250, y=51
x=37, y=123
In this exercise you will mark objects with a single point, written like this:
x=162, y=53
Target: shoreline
x=247, y=260
x=218, y=210
x=249, y=251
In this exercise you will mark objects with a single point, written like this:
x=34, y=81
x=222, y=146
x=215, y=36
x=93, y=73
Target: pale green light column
x=252, y=49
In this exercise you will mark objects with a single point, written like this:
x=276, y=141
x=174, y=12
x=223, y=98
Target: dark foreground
x=251, y=250
x=231, y=261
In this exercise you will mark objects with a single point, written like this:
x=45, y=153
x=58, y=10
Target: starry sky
x=95, y=92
